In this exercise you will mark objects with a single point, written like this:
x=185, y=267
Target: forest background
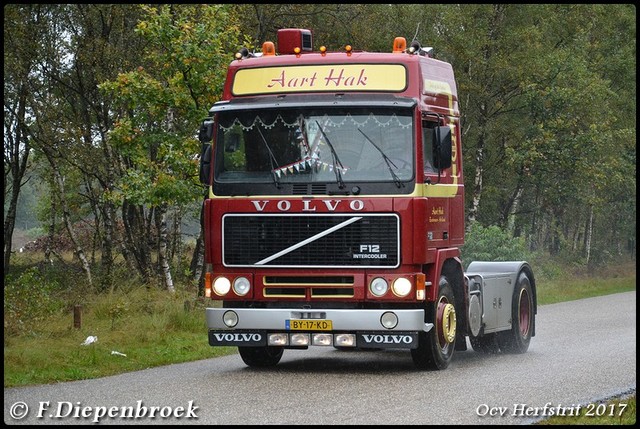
x=103, y=102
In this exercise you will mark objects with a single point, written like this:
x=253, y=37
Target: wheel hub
x=525, y=313
x=446, y=322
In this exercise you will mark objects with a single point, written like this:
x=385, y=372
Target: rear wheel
x=436, y=347
x=261, y=356
x=516, y=340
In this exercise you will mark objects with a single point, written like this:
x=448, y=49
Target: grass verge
x=569, y=289
x=150, y=327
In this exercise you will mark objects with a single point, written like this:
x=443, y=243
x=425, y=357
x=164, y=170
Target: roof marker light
x=268, y=49
x=399, y=45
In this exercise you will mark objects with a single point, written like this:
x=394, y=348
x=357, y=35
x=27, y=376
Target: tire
x=436, y=347
x=517, y=339
x=261, y=357
x=487, y=344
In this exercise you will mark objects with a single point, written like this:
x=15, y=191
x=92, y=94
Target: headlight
x=221, y=286
x=401, y=287
x=241, y=286
x=378, y=286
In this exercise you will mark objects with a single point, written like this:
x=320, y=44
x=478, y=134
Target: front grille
x=354, y=240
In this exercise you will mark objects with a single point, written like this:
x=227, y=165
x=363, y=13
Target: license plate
x=308, y=325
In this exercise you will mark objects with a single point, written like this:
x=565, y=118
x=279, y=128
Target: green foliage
x=549, y=269
x=492, y=244
x=35, y=232
x=115, y=94
x=28, y=300
x=117, y=310
x=162, y=104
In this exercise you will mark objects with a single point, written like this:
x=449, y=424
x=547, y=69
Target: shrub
x=29, y=299
x=492, y=244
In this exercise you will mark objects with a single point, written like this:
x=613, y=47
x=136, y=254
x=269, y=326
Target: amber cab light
x=399, y=45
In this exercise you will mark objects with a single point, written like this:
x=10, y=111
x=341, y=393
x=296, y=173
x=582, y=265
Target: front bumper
x=255, y=324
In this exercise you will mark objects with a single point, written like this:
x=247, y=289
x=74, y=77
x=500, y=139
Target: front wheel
x=516, y=340
x=261, y=356
x=436, y=347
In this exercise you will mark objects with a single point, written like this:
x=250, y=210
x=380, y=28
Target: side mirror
x=442, y=147
x=205, y=164
x=206, y=131
x=205, y=136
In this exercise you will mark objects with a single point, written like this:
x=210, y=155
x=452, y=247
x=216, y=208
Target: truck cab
x=335, y=209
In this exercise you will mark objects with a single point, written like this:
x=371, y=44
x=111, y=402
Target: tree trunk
x=136, y=240
x=97, y=215
x=51, y=233
x=477, y=181
x=161, y=227
x=17, y=150
x=59, y=180
x=197, y=263
x=576, y=235
x=109, y=211
x=511, y=209
x=108, y=215
x=588, y=235
x=176, y=237
x=9, y=225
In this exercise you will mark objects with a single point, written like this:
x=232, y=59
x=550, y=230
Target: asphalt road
x=584, y=351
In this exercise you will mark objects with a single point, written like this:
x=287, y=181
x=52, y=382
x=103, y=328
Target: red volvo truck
x=335, y=210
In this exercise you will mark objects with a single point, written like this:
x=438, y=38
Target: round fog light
x=389, y=320
x=230, y=318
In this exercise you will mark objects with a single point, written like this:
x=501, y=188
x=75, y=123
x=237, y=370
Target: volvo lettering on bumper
x=221, y=338
x=383, y=340
x=404, y=340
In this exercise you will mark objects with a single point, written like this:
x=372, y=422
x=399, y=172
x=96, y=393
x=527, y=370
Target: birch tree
x=160, y=108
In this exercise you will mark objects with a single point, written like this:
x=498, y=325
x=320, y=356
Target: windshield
x=311, y=145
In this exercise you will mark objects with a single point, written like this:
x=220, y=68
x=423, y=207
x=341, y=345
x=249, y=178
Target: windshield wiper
x=272, y=158
x=336, y=160
x=396, y=179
